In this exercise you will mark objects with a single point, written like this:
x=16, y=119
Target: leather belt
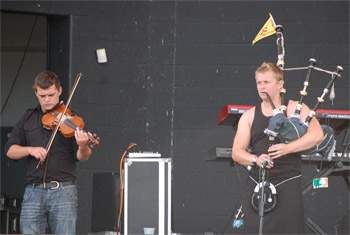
x=52, y=184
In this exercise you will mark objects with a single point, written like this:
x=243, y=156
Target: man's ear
x=280, y=84
x=60, y=90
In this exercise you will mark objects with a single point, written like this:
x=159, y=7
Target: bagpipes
x=288, y=130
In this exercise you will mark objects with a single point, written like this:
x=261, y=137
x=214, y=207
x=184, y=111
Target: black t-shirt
x=29, y=131
x=284, y=167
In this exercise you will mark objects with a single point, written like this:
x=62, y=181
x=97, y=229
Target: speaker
x=105, y=202
x=147, y=195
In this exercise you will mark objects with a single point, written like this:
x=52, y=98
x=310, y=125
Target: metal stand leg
x=262, y=199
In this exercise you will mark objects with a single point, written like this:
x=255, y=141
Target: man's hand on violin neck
x=81, y=137
x=39, y=153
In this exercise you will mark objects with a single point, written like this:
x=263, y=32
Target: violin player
x=50, y=199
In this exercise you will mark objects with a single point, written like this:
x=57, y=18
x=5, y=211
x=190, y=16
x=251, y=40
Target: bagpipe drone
x=288, y=130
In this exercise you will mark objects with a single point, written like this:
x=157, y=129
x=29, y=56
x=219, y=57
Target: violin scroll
x=94, y=139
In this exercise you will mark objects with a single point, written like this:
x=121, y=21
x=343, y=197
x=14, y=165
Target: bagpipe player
x=284, y=209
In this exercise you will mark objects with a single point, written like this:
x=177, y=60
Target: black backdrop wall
x=172, y=66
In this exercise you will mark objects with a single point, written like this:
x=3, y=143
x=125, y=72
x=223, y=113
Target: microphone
x=265, y=163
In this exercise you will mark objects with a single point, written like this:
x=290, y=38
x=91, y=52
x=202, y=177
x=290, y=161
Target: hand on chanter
x=263, y=158
x=278, y=150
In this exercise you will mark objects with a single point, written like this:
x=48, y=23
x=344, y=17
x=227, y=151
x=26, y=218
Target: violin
x=69, y=123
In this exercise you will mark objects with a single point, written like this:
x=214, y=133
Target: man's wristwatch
x=254, y=161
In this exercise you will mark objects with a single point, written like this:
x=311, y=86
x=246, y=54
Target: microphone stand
x=261, y=205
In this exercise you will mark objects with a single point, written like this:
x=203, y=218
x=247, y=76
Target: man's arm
x=82, y=140
x=17, y=152
x=84, y=153
x=241, y=142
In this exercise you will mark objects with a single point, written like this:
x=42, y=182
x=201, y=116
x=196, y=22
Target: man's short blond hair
x=266, y=67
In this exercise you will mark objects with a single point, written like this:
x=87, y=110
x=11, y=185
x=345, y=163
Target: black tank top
x=284, y=167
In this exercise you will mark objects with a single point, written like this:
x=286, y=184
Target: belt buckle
x=57, y=184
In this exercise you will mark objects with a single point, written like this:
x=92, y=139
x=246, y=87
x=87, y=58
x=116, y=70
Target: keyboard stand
x=334, y=167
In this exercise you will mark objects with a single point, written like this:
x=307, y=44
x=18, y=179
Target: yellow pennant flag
x=268, y=29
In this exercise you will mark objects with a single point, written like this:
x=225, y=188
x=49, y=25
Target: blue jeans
x=58, y=212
